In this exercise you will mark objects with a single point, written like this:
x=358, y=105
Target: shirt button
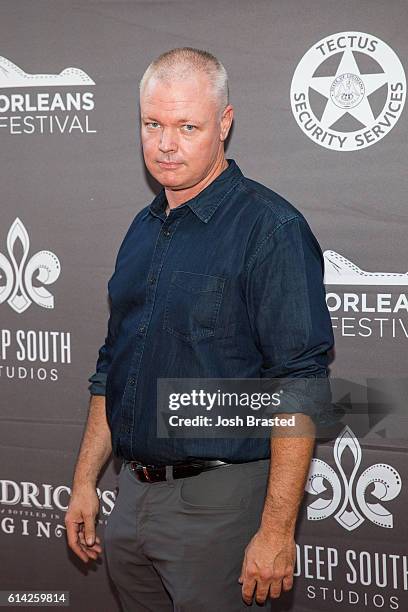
x=132, y=380
x=152, y=280
x=142, y=329
x=166, y=232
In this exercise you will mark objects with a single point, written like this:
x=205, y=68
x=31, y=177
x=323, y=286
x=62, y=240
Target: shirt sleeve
x=289, y=316
x=98, y=378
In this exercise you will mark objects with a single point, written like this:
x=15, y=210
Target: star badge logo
x=347, y=119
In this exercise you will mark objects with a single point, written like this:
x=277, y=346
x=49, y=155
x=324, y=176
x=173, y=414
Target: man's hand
x=271, y=554
x=80, y=523
x=268, y=566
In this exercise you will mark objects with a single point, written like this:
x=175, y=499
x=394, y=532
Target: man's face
x=182, y=134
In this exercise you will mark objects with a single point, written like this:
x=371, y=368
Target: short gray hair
x=184, y=62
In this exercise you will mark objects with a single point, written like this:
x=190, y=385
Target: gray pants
x=178, y=545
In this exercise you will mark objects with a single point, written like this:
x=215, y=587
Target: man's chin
x=167, y=178
x=168, y=181
x=173, y=187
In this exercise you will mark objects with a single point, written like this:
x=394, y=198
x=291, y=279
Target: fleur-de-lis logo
x=16, y=277
x=385, y=479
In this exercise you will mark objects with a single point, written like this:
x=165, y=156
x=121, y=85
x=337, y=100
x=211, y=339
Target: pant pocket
x=224, y=488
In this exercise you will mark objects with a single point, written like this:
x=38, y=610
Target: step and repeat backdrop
x=319, y=91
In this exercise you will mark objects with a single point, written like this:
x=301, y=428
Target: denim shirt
x=228, y=285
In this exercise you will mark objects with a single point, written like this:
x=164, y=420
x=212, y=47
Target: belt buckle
x=146, y=473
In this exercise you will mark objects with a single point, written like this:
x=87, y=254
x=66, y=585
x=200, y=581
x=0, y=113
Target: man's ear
x=226, y=121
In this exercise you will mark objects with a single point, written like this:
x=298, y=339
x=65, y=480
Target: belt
x=157, y=473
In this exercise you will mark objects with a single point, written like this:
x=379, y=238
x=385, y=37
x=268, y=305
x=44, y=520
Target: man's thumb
x=89, y=532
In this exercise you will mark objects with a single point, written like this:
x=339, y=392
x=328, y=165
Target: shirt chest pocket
x=192, y=305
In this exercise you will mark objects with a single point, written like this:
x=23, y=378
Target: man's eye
x=152, y=124
x=189, y=127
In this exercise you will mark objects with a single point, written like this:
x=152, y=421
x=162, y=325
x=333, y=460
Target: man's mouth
x=169, y=165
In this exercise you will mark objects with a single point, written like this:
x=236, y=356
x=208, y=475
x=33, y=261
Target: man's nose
x=167, y=141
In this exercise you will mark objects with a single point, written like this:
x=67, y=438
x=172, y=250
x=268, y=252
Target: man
x=218, y=278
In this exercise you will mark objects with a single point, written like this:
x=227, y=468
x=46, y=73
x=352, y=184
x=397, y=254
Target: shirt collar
x=205, y=203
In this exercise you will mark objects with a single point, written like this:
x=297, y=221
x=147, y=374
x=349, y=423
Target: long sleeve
x=98, y=378
x=288, y=313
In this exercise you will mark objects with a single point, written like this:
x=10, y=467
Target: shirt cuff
x=309, y=395
x=98, y=383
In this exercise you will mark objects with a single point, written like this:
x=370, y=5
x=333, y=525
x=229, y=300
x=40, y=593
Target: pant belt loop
x=169, y=475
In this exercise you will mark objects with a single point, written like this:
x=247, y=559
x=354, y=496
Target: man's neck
x=178, y=197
